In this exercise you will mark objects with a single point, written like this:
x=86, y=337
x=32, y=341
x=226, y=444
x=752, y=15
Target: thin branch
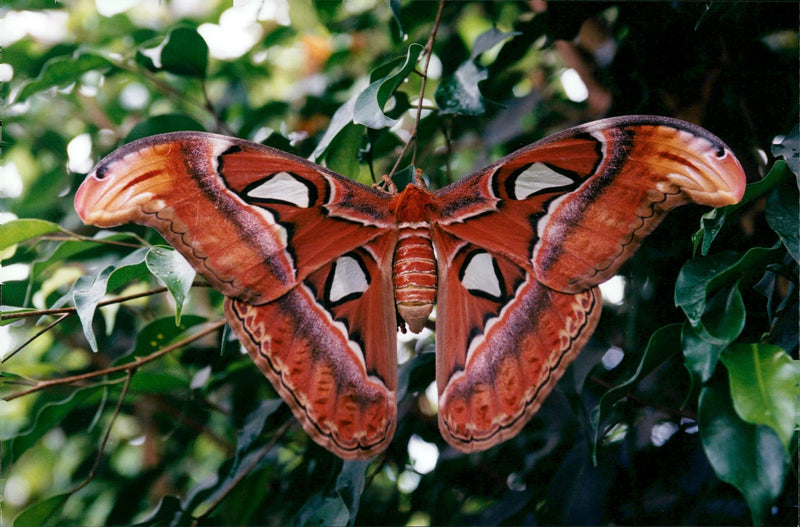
x=71, y=310
x=42, y=385
x=93, y=471
x=428, y=51
x=244, y=473
x=36, y=336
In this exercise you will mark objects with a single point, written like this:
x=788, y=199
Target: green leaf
x=317, y=511
x=749, y=457
x=49, y=415
x=782, y=215
x=489, y=39
x=18, y=231
x=663, y=344
x=182, y=52
x=174, y=272
x=86, y=297
x=702, y=276
x=168, y=513
x=765, y=386
x=710, y=224
x=699, y=355
x=789, y=149
x=254, y=426
x=368, y=109
x=62, y=71
x=162, y=124
x=42, y=512
x=459, y=94
x=343, y=157
x=341, y=118
x=724, y=317
x=350, y=485
x=161, y=332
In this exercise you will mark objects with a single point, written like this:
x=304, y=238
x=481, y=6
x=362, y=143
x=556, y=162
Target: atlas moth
x=318, y=270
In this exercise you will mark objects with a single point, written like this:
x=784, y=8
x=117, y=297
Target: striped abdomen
x=414, y=277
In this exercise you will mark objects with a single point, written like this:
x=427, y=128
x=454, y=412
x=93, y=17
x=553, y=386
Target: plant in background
x=689, y=384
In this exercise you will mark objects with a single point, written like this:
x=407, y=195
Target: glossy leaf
x=183, y=52
x=43, y=512
x=789, y=149
x=85, y=297
x=368, y=109
x=782, y=215
x=174, y=272
x=765, y=386
x=319, y=511
x=724, y=316
x=702, y=276
x=663, y=344
x=340, y=119
x=21, y=230
x=254, y=427
x=60, y=72
x=168, y=513
x=699, y=354
x=350, y=485
x=48, y=414
x=161, y=332
x=459, y=93
x=711, y=224
x=749, y=457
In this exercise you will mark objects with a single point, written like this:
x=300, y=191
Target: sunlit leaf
x=174, y=272
x=18, y=231
x=62, y=71
x=368, y=109
x=749, y=457
x=182, y=52
x=86, y=297
x=789, y=149
x=765, y=386
x=43, y=512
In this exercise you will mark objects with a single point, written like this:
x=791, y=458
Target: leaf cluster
x=126, y=401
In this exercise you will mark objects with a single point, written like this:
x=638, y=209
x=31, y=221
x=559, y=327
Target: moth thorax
x=414, y=278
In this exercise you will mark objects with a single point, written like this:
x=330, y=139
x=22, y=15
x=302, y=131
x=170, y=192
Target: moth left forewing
x=252, y=220
x=329, y=349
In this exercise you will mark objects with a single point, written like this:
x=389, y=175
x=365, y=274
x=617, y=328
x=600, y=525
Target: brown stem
x=428, y=51
x=92, y=472
x=71, y=310
x=41, y=385
x=244, y=473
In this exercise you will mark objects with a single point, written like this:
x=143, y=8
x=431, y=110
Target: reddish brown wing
x=304, y=256
x=548, y=223
x=252, y=220
x=329, y=348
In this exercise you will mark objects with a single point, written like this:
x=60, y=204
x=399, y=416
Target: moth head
x=124, y=184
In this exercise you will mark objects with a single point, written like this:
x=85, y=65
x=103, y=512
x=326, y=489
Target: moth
x=318, y=270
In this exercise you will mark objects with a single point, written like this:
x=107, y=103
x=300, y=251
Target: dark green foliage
x=169, y=424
